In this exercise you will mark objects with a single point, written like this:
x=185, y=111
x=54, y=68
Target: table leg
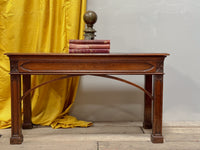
x=147, y=124
x=156, y=136
x=16, y=118
x=27, y=124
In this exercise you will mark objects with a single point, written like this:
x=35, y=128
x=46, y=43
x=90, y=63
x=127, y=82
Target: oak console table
x=105, y=65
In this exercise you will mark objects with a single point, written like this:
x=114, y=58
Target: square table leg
x=27, y=123
x=16, y=117
x=147, y=124
x=156, y=136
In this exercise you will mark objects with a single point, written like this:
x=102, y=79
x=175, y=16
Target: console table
x=105, y=65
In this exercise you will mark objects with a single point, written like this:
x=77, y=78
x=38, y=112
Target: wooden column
x=27, y=124
x=16, y=117
x=147, y=124
x=156, y=136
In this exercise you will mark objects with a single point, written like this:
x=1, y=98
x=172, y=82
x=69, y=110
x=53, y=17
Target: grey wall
x=169, y=26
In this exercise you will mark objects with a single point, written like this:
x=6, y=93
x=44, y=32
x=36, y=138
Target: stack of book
x=89, y=46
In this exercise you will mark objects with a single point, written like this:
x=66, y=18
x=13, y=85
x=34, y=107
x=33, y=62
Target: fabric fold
x=41, y=26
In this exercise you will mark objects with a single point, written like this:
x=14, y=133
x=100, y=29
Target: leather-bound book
x=89, y=41
x=89, y=50
x=89, y=46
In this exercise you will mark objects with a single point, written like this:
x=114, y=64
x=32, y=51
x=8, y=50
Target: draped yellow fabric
x=40, y=26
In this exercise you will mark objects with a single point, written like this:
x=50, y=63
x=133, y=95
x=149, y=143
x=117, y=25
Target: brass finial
x=90, y=18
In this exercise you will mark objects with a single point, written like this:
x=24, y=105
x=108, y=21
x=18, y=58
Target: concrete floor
x=106, y=136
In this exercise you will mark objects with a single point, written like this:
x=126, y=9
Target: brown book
x=89, y=41
x=89, y=46
x=89, y=50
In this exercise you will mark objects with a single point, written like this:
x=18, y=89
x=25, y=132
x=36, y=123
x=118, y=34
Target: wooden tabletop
x=87, y=54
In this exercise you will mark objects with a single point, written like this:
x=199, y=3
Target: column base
x=16, y=139
x=27, y=125
x=157, y=138
x=147, y=125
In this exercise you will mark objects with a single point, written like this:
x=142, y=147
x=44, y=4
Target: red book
x=89, y=41
x=89, y=46
x=89, y=50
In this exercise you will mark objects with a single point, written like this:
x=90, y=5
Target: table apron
x=90, y=67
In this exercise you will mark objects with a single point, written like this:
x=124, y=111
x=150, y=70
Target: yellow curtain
x=40, y=26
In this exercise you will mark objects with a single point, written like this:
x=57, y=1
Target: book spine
x=89, y=50
x=89, y=46
x=89, y=41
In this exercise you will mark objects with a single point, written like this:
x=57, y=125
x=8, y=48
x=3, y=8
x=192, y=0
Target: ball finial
x=90, y=18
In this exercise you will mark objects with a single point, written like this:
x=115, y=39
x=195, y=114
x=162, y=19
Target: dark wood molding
x=14, y=66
